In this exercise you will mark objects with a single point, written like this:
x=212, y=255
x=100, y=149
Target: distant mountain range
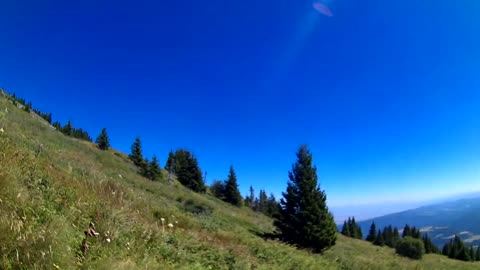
x=441, y=221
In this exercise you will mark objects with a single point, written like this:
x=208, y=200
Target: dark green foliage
x=416, y=233
x=352, y=229
x=188, y=172
x=261, y=202
x=372, y=233
x=412, y=232
x=250, y=199
x=273, y=207
x=81, y=134
x=396, y=234
x=406, y=231
x=102, y=140
x=28, y=107
x=304, y=218
x=170, y=165
x=68, y=129
x=57, y=125
x=197, y=207
x=477, y=254
x=471, y=254
x=455, y=249
x=232, y=194
x=388, y=236
x=346, y=229
x=46, y=116
x=429, y=246
x=154, y=171
x=410, y=247
x=379, y=241
x=136, y=154
x=218, y=189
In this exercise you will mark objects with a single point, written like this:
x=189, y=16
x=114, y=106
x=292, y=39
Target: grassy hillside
x=53, y=186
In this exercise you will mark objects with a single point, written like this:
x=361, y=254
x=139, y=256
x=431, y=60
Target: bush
x=197, y=208
x=410, y=247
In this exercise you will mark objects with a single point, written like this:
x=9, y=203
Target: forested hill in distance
x=441, y=221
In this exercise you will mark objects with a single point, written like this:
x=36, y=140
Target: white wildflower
x=162, y=219
x=108, y=240
x=1, y=130
x=170, y=225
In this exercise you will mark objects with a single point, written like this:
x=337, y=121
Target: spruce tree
x=68, y=129
x=136, y=153
x=372, y=233
x=396, y=235
x=154, y=170
x=232, y=194
x=261, y=203
x=471, y=254
x=170, y=165
x=188, y=171
x=57, y=126
x=28, y=107
x=250, y=199
x=355, y=230
x=304, y=218
x=477, y=254
x=388, y=236
x=406, y=231
x=379, y=241
x=272, y=206
x=346, y=228
x=102, y=140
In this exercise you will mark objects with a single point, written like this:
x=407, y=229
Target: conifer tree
x=477, y=254
x=170, y=165
x=28, y=107
x=102, y=140
x=57, y=126
x=232, y=194
x=136, y=154
x=261, y=203
x=396, y=235
x=406, y=231
x=388, y=236
x=188, y=171
x=355, y=230
x=250, y=199
x=272, y=206
x=346, y=228
x=304, y=218
x=379, y=241
x=471, y=254
x=68, y=129
x=154, y=170
x=372, y=233
x=415, y=233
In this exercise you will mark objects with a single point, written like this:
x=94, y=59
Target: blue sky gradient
x=385, y=93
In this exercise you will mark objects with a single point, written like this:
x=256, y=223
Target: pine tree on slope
x=304, y=218
x=372, y=233
x=102, y=140
x=232, y=194
x=136, y=154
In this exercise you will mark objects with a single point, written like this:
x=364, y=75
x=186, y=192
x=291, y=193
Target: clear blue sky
x=385, y=93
